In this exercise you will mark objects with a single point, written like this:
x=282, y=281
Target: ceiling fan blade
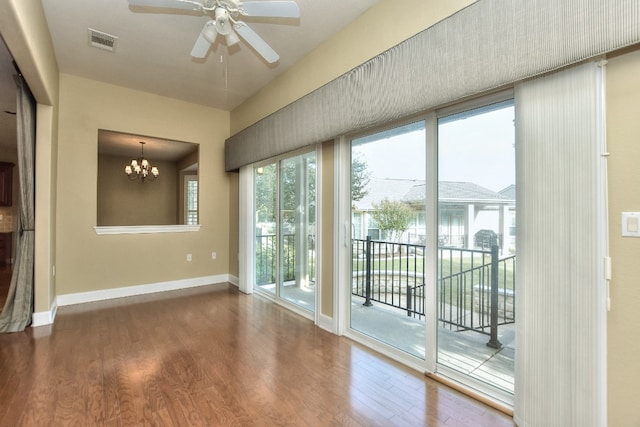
x=276, y=9
x=255, y=41
x=204, y=40
x=167, y=4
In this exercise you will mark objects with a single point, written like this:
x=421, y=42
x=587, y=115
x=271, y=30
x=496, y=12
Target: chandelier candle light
x=141, y=169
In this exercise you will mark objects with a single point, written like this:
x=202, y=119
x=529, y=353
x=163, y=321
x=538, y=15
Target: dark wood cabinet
x=6, y=183
x=6, y=241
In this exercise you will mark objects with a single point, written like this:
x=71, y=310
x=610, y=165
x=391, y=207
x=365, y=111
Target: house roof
x=509, y=192
x=414, y=191
x=385, y=188
x=467, y=192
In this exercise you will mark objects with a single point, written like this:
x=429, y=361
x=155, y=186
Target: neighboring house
x=379, y=189
x=465, y=209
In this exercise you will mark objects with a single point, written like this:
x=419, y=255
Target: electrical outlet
x=189, y=257
x=214, y=255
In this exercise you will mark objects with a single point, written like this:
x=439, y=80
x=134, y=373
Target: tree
x=359, y=178
x=265, y=194
x=392, y=217
x=267, y=186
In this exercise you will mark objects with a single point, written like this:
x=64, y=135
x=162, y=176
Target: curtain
x=487, y=45
x=561, y=319
x=17, y=312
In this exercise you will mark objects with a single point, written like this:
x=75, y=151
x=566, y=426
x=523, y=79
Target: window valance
x=487, y=45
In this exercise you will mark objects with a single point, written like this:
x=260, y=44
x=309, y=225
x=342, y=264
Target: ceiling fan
x=225, y=21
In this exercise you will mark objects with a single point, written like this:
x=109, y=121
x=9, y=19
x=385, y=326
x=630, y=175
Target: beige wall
x=88, y=262
x=623, y=138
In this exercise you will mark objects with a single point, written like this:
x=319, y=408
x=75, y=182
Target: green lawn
x=446, y=267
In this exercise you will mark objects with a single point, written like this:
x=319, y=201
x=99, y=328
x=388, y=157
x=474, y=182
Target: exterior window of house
x=373, y=231
x=191, y=199
x=356, y=228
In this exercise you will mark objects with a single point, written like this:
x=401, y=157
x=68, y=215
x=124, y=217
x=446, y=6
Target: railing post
x=408, y=300
x=493, y=341
x=367, y=302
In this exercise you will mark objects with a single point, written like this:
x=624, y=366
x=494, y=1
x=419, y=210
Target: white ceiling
x=153, y=48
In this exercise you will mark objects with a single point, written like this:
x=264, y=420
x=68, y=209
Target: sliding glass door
x=476, y=244
x=285, y=229
x=432, y=230
x=388, y=237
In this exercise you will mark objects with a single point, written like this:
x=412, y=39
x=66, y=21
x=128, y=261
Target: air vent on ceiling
x=102, y=40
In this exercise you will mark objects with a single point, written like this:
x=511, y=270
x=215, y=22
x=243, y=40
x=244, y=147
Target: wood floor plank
x=212, y=356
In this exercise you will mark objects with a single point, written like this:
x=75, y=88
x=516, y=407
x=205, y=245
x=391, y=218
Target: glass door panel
x=388, y=172
x=476, y=248
x=265, y=181
x=285, y=231
x=297, y=225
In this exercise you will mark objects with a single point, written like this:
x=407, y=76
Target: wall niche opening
x=170, y=199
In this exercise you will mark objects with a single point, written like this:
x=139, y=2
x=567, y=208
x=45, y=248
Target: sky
x=477, y=148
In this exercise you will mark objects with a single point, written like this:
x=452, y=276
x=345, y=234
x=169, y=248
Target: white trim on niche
x=142, y=229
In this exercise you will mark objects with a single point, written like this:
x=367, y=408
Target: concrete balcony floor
x=466, y=352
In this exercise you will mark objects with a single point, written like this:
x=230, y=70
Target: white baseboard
x=47, y=317
x=327, y=323
x=128, y=291
x=44, y=318
x=234, y=281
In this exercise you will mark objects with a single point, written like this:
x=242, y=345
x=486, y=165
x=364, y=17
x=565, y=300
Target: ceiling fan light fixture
x=225, y=20
x=232, y=38
x=222, y=23
x=209, y=32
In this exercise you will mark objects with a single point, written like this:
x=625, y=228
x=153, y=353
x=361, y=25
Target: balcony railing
x=266, y=258
x=475, y=289
x=389, y=273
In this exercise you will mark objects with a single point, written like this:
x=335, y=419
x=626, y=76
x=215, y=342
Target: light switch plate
x=631, y=224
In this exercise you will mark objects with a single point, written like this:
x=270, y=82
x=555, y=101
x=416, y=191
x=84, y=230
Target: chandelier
x=141, y=169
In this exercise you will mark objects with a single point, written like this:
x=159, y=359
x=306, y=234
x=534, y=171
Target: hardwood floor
x=207, y=357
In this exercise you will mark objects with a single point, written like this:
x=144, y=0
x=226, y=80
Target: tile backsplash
x=7, y=219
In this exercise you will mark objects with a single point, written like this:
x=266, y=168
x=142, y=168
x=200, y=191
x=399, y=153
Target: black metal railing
x=476, y=290
x=389, y=273
x=266, y=258
x=475, y=286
